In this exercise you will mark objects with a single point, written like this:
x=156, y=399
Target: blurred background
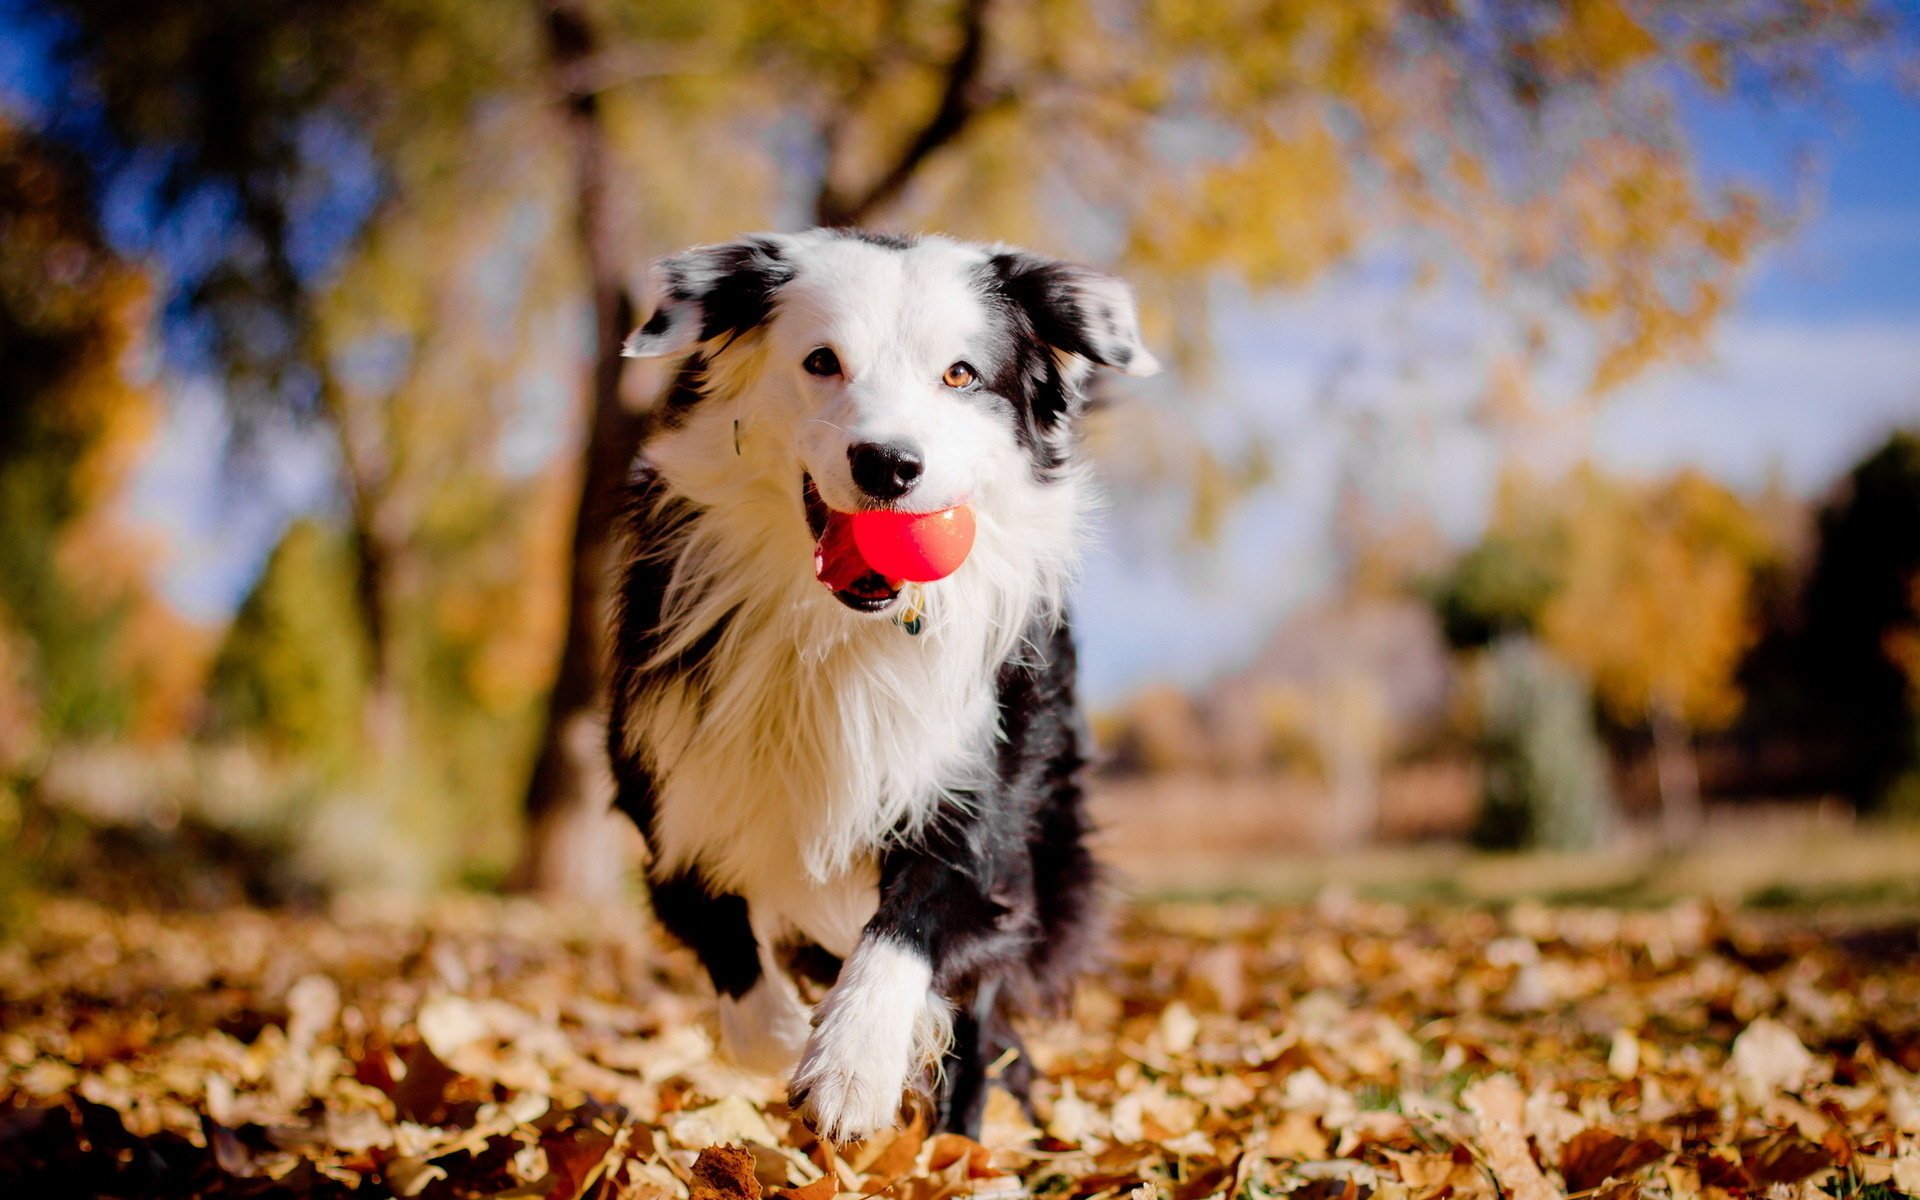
x=1533, y=504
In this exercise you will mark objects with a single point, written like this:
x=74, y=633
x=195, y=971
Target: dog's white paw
x=872, y=1029
x=764, y=1030
x=845, y=1091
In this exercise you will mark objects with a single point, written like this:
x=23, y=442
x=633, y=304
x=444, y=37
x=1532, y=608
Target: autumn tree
x=88, y=648
x=1646, y=588
x=264, y=138
x=293, y=669
x=1852, y=638
x=1655, y=604
x=93, y=644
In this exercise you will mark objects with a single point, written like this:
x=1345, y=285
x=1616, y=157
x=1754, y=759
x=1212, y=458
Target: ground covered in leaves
x=1342, y=1051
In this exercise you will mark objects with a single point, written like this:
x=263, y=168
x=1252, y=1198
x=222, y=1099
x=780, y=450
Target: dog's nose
x=885, y=470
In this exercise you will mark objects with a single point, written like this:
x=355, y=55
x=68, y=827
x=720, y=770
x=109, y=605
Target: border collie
x=863, y=808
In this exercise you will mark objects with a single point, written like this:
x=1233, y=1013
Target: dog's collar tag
x=912, y=614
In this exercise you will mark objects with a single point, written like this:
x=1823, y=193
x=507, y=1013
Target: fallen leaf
x=1593, y=1156
x=1767, y=1059
x=733, y=1119
x=724, y=1173
x=823, y=1188
x=1784, y=1158
x=1499, y=1106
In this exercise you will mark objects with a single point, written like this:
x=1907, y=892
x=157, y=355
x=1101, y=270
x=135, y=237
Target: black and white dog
x=872, y=839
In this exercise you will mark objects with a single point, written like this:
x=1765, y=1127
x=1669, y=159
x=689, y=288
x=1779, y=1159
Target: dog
x=869, y=829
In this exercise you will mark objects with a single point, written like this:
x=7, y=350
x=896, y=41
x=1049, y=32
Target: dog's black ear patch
x=1076, y=309
x=711, y=291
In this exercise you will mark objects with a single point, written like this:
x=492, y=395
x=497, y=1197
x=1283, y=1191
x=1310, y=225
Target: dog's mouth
x=837, y=562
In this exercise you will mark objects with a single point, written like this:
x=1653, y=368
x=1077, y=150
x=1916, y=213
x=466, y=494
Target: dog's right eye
x=822, y=362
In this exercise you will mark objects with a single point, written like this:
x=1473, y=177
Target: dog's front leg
x=887, y=1016
x=877, y=1024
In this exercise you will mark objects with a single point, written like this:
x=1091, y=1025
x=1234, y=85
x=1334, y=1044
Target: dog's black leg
x=963, y=1083
x=763, y=1021
x=714, y=925
x=983, y=1039
x=1016, y=1070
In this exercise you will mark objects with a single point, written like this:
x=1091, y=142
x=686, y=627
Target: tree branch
x=962, y=99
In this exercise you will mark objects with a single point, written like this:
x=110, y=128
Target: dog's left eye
x=959, y=375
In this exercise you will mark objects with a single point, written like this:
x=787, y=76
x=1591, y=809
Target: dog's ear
x=1077, y=309
x=711, y=291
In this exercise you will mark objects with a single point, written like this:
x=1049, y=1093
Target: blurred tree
x=293, y=669
x=568, y=804
x=254, y=141
x=1498, y=586
x=1648, y=590
x=88, y=649
x=1158, y=730
x=1903, y=647
x=1858, y=598
x=1655, y=604
x=92, y=644
x=1545, y=780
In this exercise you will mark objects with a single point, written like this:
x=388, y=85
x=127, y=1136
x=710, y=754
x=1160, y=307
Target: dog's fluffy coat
x=828, y=801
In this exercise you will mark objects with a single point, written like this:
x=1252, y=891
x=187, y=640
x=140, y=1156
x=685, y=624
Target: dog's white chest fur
x=809, y=735
x=782, y=780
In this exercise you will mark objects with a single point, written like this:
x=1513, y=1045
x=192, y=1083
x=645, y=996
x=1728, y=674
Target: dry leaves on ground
x=1343, y=1052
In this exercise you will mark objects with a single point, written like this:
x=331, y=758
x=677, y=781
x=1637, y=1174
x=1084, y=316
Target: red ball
x=918, y=547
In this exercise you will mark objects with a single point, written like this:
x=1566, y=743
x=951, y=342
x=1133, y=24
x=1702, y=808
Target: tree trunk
x=1681, y=815
x=376, y=563
x=963, y=97
x=575, y=844
x=379, y=545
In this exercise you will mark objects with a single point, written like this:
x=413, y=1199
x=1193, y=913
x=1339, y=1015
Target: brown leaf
x=1500, y=1107
x=1593, y=1156
x=1206, y=1180
x=419, y=1094
x=725, y=1173
x=576, y=1158
x=230, y=1154
x=823, y=1188
x=1718, y=1172
x=1785, y=1157
x=1331, y=1189
x=950, y=1148
x=888, y=1158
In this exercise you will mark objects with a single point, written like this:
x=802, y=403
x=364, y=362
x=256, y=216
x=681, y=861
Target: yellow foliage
x=1297, y=183
x=165, y=657
x=107, y=561
x=87, y=635
x=1597, y=39
x=20, y=731
x=1653, y=594
x=1160, y=730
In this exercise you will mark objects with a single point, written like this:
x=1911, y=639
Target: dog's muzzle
x=837, y=562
